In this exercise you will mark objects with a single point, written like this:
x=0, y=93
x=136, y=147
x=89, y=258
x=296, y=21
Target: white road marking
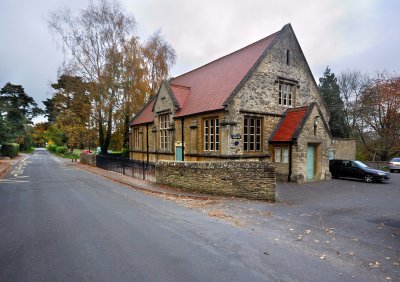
x=12, y=181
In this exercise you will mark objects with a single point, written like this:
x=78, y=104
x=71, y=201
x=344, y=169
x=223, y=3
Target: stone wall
x=321, y=141
x=282, y=171
x=247, y=179
x=258, y=96
x=89, y=159
x=344, y=149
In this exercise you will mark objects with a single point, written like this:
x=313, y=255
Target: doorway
x=178, y=151
x=310, y=162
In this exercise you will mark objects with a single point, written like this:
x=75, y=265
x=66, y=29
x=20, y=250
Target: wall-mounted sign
x=236, y=136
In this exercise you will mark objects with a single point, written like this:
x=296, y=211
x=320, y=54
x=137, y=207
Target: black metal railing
x=133, y=168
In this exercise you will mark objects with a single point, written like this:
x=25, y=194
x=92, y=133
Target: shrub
x=9, y=150
x=24, y=141
x=61, y=149
x=52, y=148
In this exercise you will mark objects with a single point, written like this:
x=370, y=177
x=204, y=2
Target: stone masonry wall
x=260, y=92
x=321, y=141
x=247, y=179
x=344, y=149
x=89, y=159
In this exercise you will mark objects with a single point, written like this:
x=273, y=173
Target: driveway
x=350, y=227
x=348, y=224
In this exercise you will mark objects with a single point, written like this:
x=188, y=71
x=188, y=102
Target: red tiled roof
x=211, y=84
x=207, y=88
x=181, y=93
x=146, y=115
x=289, y=124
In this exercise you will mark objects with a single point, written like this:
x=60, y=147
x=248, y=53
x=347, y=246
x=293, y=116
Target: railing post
x=144, y=172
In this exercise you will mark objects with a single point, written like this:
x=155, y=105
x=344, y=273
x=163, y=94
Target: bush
x=24, y=141
x=9, y=150
x=61, y=150
x=52, y=148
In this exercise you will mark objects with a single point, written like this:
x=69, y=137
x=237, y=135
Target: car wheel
x=368, y=178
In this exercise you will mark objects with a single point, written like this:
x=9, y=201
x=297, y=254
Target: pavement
x=6, y=163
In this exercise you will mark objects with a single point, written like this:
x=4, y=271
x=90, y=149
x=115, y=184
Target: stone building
x=259, y=102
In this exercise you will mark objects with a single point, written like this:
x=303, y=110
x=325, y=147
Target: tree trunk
x=107, y=137
x=101, y=135
x=126, y=132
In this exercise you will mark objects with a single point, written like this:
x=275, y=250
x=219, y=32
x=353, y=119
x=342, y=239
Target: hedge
x=9, y=150
x=52, y=148
x=61, y=149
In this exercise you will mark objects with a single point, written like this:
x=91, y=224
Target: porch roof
x=290, y=124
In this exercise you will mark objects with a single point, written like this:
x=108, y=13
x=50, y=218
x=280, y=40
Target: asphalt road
x=59, y=223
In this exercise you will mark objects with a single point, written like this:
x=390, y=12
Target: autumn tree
x=38, y=134
x=88, y=40
x=101, y=47
x=380, y=115
x=142, y=70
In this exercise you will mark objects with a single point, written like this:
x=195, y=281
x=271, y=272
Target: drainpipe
x=183, y=138
x=290, y=162
x=147, y=142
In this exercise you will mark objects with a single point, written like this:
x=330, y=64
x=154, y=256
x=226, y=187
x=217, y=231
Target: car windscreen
x=395, y=160
x=360, y=164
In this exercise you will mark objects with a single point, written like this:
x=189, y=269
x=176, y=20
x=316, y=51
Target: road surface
x=59, y=223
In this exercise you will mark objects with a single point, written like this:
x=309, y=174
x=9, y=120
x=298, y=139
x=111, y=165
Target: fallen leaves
x=221, y=215
x=374, y=264
x=329, y=230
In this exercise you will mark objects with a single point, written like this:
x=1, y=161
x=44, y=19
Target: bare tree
x=89, y=41
x=159, y=57
x=352, y=84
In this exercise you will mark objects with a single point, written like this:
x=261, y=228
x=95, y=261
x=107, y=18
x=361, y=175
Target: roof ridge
x=220, y=58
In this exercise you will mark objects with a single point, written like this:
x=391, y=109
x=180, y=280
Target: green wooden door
x=178, y=153
x=310, y=162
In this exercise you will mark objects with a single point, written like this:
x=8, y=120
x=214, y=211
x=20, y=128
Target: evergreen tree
x=330, y=92
x=17, y=109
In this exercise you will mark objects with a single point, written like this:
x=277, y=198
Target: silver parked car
x=394, y=164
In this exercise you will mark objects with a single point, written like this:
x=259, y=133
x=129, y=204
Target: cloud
x=201, y=31
x=359, y=34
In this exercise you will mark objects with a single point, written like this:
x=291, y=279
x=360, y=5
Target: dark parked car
x=356, y=169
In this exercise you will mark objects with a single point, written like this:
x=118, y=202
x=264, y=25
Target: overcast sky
x=343, y=34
